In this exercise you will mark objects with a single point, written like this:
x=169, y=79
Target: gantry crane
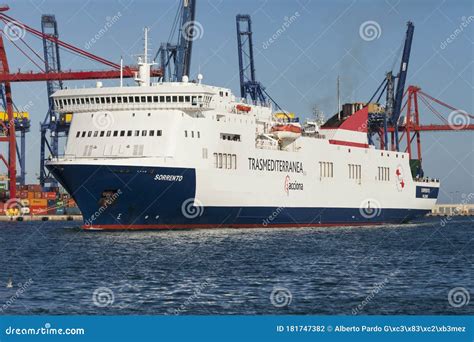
x=55, y=124
x=22, y=126
x=408, y=127
x=249, y=86
x=175, y=59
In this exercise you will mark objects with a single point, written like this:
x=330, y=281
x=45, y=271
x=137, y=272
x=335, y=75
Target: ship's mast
x=144, y=68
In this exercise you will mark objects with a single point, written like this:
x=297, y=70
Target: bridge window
x=122, y=133
x=109, y=133
x=151, y=133
x=148, y=99
x=129, y=133
x=187, y=98
x=137, y=133
x=102, y=133
x=107, y=99
x=83, y=134
x=155, y=98
x=144, y=133
x=159, y=133
x=96, y=133
x=78, y=134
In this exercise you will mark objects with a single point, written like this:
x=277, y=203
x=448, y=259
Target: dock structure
x=453, y=210
x=6, y=218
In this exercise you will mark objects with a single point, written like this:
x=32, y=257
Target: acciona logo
x=289, y=185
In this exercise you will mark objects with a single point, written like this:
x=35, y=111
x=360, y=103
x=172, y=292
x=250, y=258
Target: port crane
x=115, y=71
x=407, y=129
x=55, y=124
x=250, y=88
x=175, y=59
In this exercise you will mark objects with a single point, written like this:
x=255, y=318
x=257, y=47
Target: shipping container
x=59, y=211
x=49, y=195
x=25, y=202
x=13, y=211
x=39, y=202
x=38, y=194
x=34, y=210
x=34, y=187
x=31, y=195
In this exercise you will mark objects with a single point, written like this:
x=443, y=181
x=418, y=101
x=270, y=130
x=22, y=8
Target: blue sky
x=299, y=68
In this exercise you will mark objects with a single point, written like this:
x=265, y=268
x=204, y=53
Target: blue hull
x=126, y=197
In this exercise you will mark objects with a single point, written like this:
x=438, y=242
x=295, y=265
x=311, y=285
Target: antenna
x=145, y=54
x=338, y=94
x=121, y=71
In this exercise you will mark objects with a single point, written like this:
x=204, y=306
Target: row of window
x=225, y=161
x=192, y=135
x=384, y=173
x=123, y=133
x=194, y=100
x=355, y=171
x=326, y=169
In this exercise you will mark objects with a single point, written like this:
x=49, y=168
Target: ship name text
x=261, y=164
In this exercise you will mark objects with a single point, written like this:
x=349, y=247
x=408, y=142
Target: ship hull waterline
x=134, y=200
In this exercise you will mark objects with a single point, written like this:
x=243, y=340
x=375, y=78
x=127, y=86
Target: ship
x=181, y=155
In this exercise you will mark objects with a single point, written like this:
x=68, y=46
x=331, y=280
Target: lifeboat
x=243, y=108
x=286, y=132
